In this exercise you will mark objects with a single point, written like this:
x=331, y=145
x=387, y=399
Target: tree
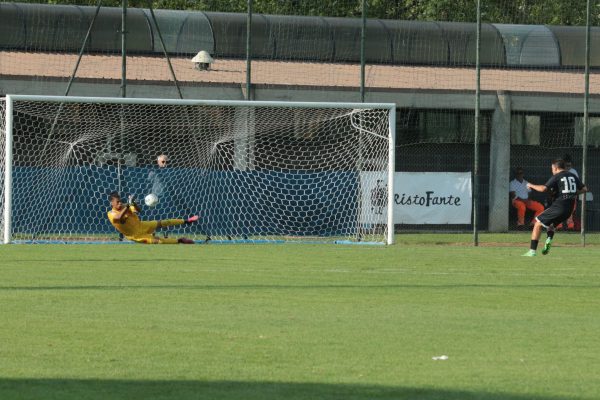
x=538, y=12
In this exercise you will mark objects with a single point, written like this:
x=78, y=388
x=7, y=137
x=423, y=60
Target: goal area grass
x=431, y=317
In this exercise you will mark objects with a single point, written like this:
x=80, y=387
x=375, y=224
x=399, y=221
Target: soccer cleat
x=547, y=246
x=192, y=219
x=185, y=241
x=530, y=253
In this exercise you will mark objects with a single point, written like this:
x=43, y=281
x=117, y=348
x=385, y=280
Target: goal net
x=253, y=171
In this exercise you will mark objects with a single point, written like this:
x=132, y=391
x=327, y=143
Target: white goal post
x=253, y=170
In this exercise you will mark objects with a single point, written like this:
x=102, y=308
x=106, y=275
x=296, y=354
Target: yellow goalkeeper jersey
x=133, y=226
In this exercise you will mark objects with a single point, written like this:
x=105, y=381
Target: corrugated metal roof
x=52, y=28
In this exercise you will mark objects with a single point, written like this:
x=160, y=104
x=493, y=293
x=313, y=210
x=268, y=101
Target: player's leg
x=544, y=220
x=548, y=242
x=184, y=206
x=170, y=240
x=561, y=214
x=177, y=221
x=521, y=209
x=153, y=239
x=570, y=221
x=170, y=222
x=148, y=227
x=144, y=239
x=536, y=207
x=550, y=218
x=535, y=238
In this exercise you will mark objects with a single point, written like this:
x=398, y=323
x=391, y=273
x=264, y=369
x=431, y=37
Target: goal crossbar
x=192, y=102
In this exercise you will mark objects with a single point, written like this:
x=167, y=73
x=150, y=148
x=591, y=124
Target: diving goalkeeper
x=125, y=219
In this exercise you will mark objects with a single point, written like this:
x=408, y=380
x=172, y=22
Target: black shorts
x=556, y=214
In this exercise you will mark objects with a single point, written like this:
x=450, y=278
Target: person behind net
x=125, y=219
x=157, y=180
x=519, y=195
x=566, y=187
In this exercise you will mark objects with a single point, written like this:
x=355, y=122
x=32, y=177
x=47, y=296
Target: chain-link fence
x=423, y=56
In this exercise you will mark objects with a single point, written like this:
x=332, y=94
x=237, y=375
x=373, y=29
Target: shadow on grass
x=71, y=389
x=103, y=261
x=295, y=287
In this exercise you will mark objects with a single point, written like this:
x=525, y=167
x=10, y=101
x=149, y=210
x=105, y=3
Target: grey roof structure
x=61, y=28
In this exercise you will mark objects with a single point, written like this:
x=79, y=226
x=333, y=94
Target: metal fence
x=483, y=86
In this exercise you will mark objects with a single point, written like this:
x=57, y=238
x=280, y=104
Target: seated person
x=519, y=196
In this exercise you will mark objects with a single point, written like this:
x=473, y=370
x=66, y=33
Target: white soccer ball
x=151, y=200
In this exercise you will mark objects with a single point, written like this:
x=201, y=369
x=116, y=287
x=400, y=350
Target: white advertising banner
x=419, y=197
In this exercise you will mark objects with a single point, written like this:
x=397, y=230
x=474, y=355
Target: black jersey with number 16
x=564, y=185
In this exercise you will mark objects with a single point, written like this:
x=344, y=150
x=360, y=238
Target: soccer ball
x=151, y=200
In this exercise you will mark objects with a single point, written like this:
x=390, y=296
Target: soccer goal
x=254, y=171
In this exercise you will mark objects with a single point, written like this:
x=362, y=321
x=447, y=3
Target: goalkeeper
x=125, y=219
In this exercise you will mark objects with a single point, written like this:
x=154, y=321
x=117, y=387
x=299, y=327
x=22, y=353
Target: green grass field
x=302, y=321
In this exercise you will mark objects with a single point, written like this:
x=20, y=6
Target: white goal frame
x=8, y=137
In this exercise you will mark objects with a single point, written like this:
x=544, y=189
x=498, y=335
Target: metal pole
x=87, y=36
x=218, y=103
x=584, y=138
x=363, y=35
x=391, y=174
x=362, y=100
x=124, y=48
x=120, y=179
x=72, y=78
x=476, y=139
x=249, y=51
x=8, y=163
x=162, y=43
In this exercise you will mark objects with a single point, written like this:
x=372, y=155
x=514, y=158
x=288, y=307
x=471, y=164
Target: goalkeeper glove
x=131, y=200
